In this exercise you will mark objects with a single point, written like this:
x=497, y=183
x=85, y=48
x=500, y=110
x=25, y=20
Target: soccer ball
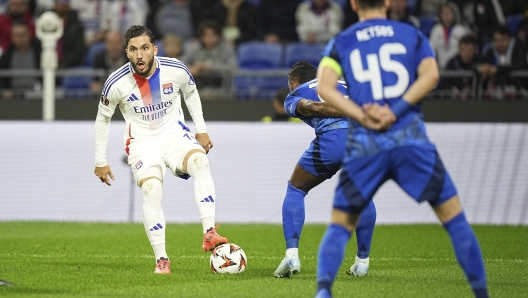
x=228, y=258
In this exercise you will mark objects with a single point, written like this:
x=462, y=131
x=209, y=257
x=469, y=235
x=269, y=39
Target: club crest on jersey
x=167, y=88
x=139, y=164
x=104, y=100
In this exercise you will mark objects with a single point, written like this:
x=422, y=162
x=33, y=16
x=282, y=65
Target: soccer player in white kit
x=147, y=90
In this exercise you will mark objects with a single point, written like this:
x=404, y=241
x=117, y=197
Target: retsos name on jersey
x=153, y=111
x=374, y=31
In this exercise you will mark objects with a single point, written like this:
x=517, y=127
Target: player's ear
x=387, y=4
x=155, y=50
x=354, y=5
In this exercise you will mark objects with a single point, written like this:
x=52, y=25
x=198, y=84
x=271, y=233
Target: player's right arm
x=427, y=78
x=310, y=108
x=107, y=105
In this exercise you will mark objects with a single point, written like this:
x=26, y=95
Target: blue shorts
x=325, y=155
x=417, y=169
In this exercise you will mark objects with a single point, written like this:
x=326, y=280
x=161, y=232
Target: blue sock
x=365, y=229
x=468, y=254
x=293, y=216
x=331, y=255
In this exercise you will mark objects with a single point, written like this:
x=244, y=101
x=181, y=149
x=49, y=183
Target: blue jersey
x=308, y=91
x=379, y=60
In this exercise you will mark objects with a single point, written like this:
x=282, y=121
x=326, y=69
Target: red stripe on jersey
x=144, y=89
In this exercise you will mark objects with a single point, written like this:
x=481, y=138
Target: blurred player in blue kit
x=388, y=67
x=319, y=162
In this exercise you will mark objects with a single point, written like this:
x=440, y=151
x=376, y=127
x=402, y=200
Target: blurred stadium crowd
x=242, y=48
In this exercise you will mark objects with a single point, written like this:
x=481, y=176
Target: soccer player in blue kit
x=388, y=67
x=319, y=162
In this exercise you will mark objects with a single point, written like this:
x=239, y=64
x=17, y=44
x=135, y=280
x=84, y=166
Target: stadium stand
x=92, y=51
x=513, y=22
x=298, y=51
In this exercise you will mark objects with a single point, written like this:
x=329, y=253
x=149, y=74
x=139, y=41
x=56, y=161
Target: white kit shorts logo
x=139, y=164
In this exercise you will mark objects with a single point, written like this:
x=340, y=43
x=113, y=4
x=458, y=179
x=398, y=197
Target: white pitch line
x=377, y=259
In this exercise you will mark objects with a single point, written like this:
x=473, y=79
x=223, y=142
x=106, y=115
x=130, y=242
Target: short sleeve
x=291, y=102
x=423, y=48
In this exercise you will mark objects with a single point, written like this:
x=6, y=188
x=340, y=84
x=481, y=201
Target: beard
x=146, y=70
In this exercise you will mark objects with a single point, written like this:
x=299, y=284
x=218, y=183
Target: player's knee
x=198, y=164
x=151, y=185
x=344, y=219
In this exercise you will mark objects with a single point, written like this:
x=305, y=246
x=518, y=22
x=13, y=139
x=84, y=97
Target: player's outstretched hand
x=382, y=115
x=205, y=141
x=104, y=173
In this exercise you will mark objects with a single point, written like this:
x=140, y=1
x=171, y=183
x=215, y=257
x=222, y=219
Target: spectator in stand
x=238, y=19
x=213, y=54
x=399, y=11
x=23, y=53
x=173, y=47
x=70, y=48
x=428, y=7
x=522, y=31
x=17, y=11
x=175, y=17
x=119, y=15
x=276, y=20
x=466, y=59
x=89, y=13
x=279, y=114
x=505, y=56
x=513, y=7
x=487, y=17
x=446, y=34
x=318, y=20
x=110, y=59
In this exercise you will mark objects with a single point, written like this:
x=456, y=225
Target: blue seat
x=427, y=23
x=342, y=3
x=298, y=51
x=254, y=2
x=513, y=22
x=92, y=51
x=259, y=55
x=77, y=86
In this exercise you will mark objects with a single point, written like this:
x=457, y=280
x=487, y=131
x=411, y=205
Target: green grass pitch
x=60, y=259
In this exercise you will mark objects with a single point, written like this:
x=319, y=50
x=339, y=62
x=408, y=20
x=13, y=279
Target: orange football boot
x=212, y=239
x=163, y=266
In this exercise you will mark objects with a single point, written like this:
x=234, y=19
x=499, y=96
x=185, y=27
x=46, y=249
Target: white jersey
x=152, y=106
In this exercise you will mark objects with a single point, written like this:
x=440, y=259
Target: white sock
x=153, y=218
x=207, y=223
x=204, y=190
x=360, y=260
x=290, y=252
x=159, y=251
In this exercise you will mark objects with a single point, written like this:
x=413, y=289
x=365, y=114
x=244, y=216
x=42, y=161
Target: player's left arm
x=194, y=105
x=310, y=108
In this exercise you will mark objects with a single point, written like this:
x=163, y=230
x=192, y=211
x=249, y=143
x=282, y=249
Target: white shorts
x=165, y=151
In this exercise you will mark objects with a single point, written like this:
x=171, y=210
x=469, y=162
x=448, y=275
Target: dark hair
x=468, y=39
x=502, y=29
x=370, y=3
x=303, y=71
x=20, y=23
x=138, y=30
x=282, y=94
x=208, y=24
